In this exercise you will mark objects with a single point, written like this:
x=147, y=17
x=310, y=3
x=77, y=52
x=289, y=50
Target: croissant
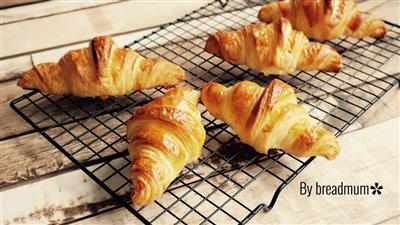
x=269, y=117
x=101, y=70
x=324, y=20
x=273, y=49
x=164, y=136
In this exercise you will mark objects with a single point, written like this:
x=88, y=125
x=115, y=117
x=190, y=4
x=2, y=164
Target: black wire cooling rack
x=217, y=188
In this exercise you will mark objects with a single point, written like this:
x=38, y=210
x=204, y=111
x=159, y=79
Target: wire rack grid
x=216, y=188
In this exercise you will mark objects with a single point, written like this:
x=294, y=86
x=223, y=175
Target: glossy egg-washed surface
x=164, y=136
x=101, y=70
x=325, y=19
x=273, y=48
x=268, y=118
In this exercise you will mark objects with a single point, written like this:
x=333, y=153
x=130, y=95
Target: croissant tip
x=102, y=38
x=208, y=84
x=136, y=200
x=212, y=46
x=331, y=153
x=335, y=64
x=332, y=150
x=209, y=92
x=20, y=82
x=380, y=33
x=334, y=67
x=260, y=14
x=265, y=17
x=23, y=81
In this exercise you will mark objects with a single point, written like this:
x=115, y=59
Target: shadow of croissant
x=228, y=158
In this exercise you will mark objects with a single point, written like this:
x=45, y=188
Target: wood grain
x=81, y=26
x=19, y=150
x=28, y=158
x=46, y=8
x=351, y=76
x=10, y=91
x=17, y=125
x=376, y=7
x=369, y=155
x=62, y=198
x=12, y=68
x=371, y=167
x=12, y=3
x=31, y=156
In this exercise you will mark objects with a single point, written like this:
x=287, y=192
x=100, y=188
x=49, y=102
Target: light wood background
x=39, y=185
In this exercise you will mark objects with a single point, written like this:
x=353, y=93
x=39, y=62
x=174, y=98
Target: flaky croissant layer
x=273, y=49
x=101, y=70
x=164, y=136
x=324, y=19
x=270, y=117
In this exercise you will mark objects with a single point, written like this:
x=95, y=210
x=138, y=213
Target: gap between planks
x=60, y=195
x=47, y=166
x=88, y=23
x=10, y=91
x=367, y=113
x=11, y=70
x=46, y=9
x=28, y=155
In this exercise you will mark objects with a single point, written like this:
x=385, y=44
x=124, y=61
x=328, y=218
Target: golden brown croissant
x=269, y=117
x=164, y=136
x=102, y=69
x=325, y=19
x=273, y=49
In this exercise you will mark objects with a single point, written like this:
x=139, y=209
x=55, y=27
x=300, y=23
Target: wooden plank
x=30, y=156
x=108, y=217
x=54, y=54
x=59, y=193
x=12, y=68
x=10, y=91
x=16, y=149
x=16, y=125
x=386, y=10
x=367, y=5
x=369, y=155
x=392, y=220
x=36, y=150
x=62, y=198
x=352, y=77
x=388, y=108
x=46, y=8
x=83, y=25
x=368, y=52
x=13, y=3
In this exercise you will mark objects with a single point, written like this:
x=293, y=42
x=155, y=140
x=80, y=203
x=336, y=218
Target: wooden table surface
x=39, y=185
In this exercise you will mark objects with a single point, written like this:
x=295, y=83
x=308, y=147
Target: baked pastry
x=324, y=20
x=164, y=135
x=101, y=70
x=273, y=49
x=270, y=117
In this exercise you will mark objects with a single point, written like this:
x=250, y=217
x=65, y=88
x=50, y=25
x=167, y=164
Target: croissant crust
x=273, y=49
x=325, y=19
x=102, y=69
x=164, y=136
x=268, y=118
